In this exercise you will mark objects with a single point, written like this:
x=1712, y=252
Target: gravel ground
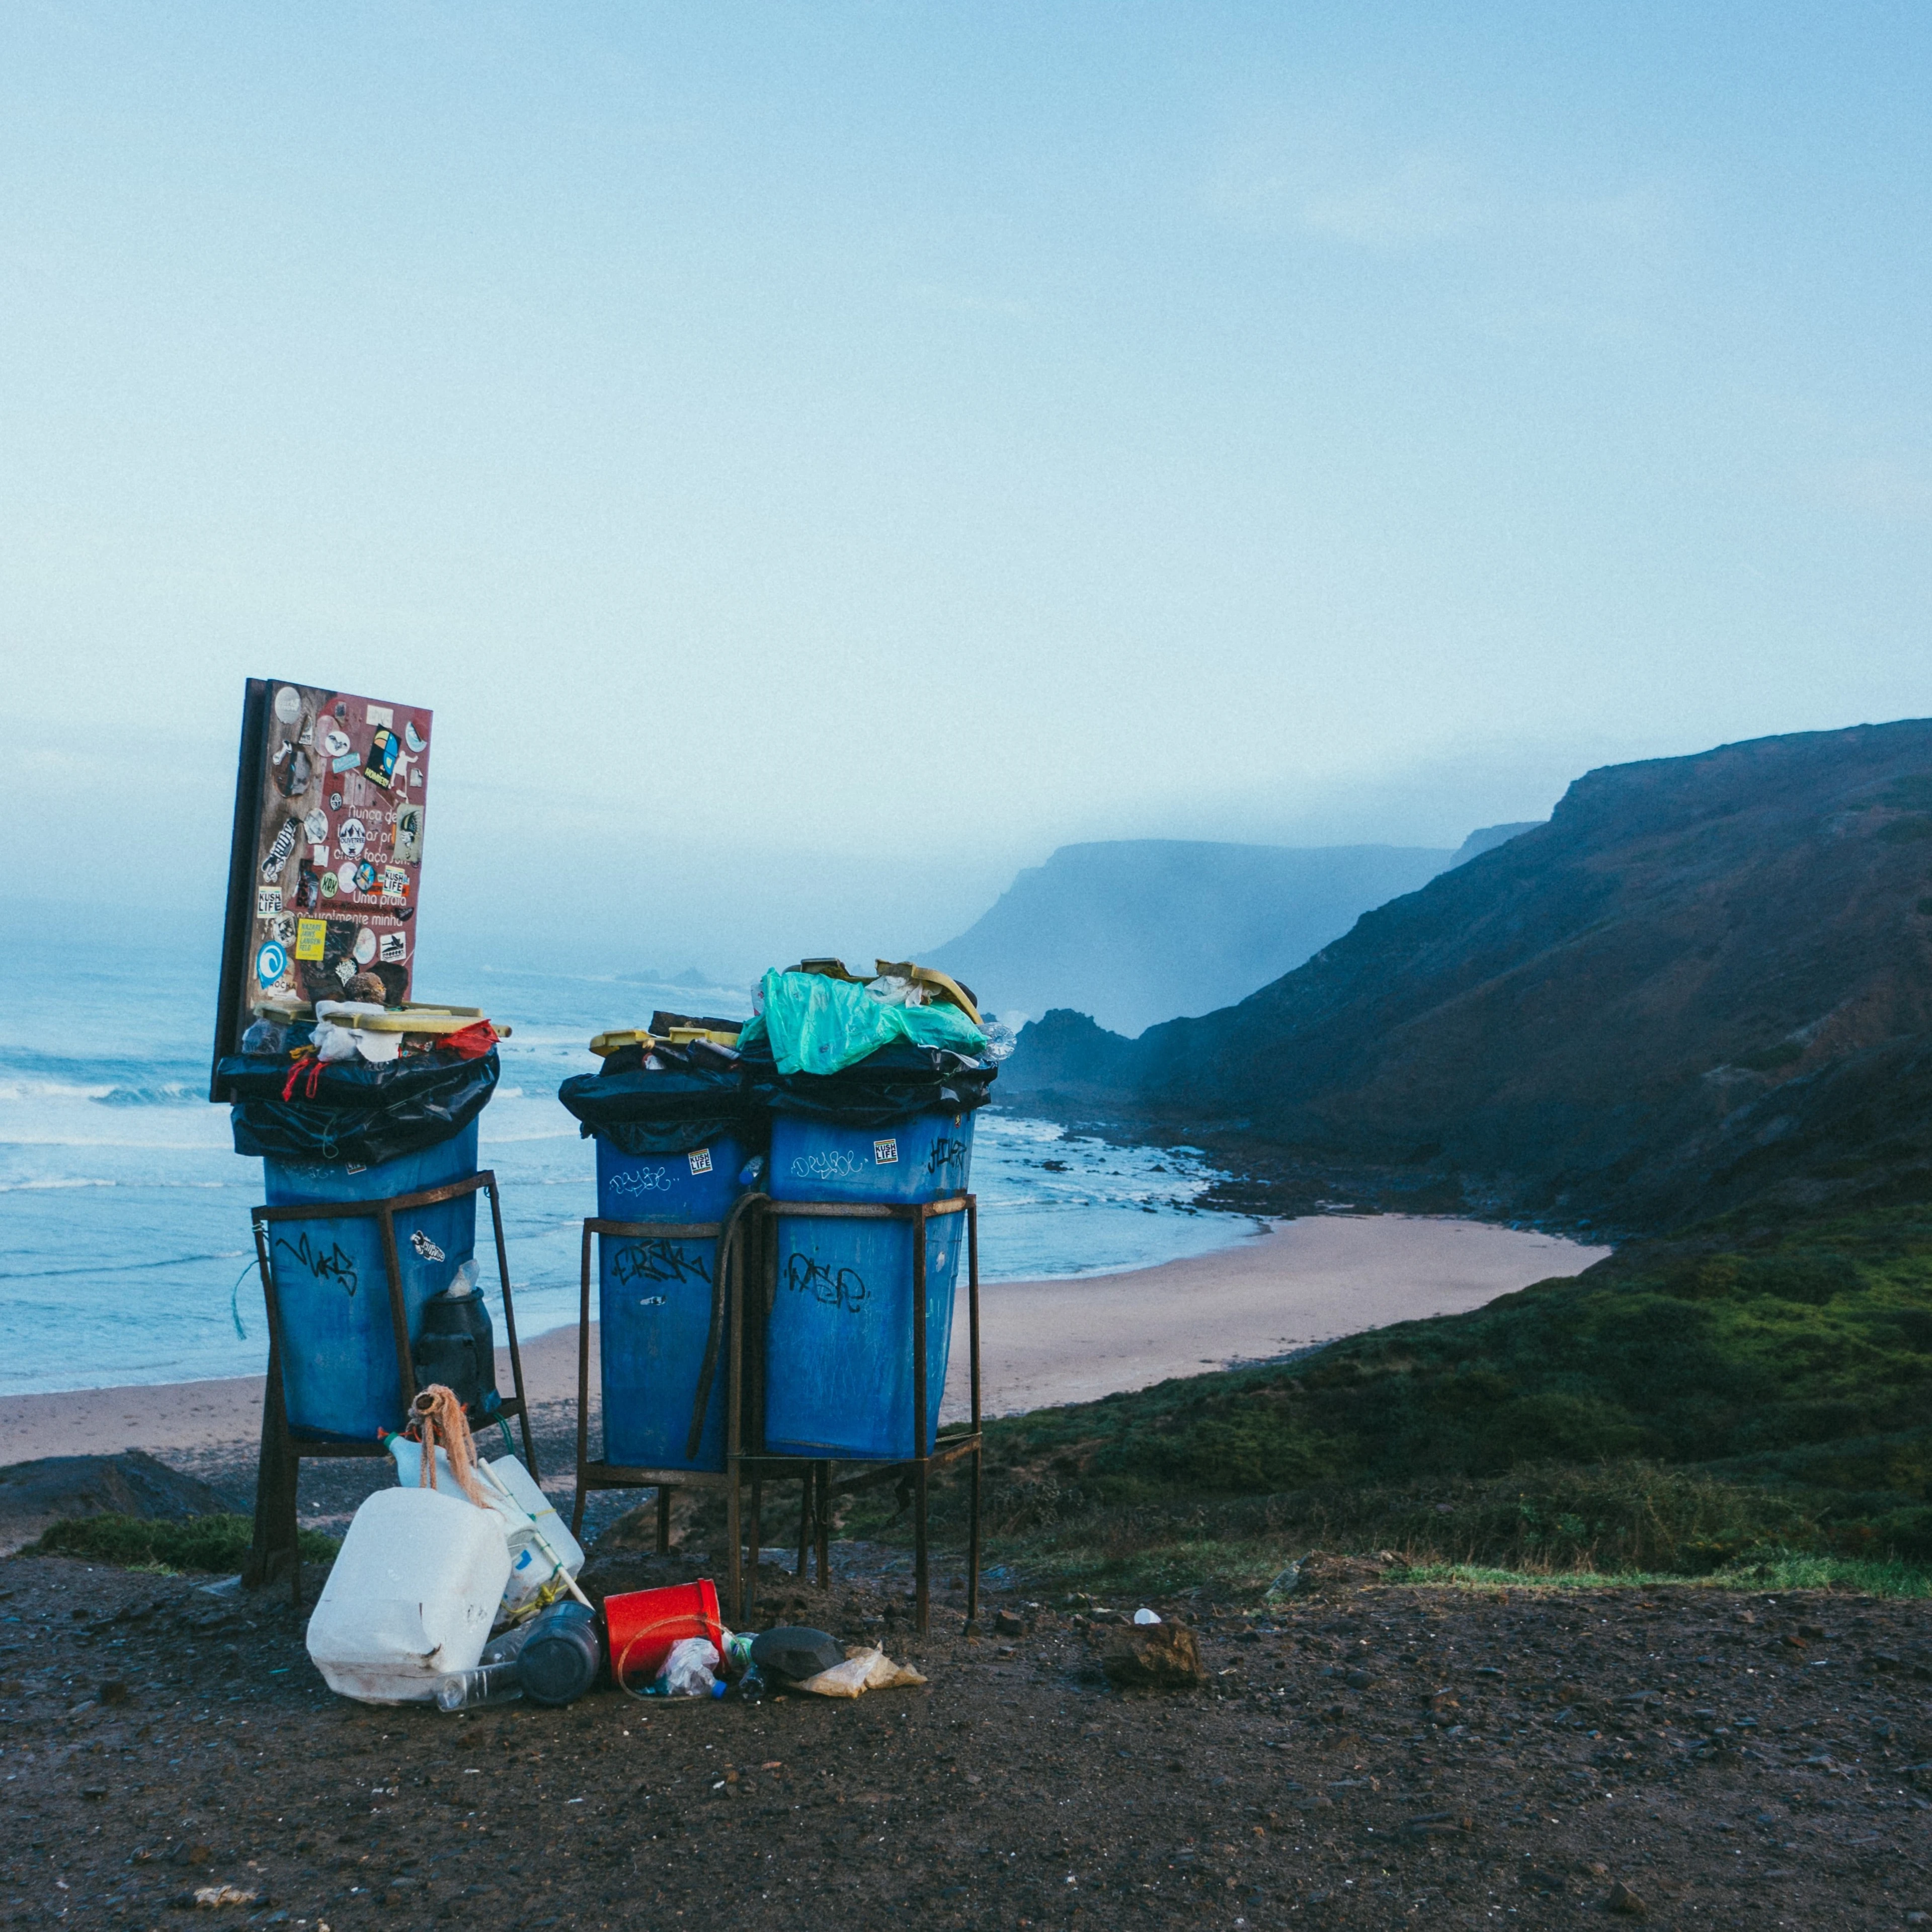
x=1372, y=1757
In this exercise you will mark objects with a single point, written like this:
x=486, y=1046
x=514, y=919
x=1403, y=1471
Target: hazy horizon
x=816, y=462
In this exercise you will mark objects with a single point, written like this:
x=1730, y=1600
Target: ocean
x=125, y=1255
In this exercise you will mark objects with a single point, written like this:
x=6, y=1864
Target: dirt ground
x=1368, y=1756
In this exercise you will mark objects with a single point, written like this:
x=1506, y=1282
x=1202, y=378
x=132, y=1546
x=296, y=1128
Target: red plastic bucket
x=642, y=1625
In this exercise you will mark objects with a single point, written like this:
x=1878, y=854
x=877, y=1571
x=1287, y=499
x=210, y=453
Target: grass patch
x=214, y=1544
x=1754, y=1409
x=1780, y=1575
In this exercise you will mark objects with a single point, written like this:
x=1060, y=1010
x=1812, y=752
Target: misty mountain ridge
x=1136, y=931
x=1706, y=981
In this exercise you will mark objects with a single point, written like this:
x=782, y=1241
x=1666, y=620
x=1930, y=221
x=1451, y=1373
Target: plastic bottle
x=488, y=1683
x=750, y=1687
x=495, y=1679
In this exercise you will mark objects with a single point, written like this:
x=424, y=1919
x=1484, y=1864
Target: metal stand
x=822, y=1478
x=275, y=1543
x=728, y=1335
x=748, y=1258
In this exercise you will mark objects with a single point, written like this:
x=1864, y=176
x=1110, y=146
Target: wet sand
x=1041, y=1342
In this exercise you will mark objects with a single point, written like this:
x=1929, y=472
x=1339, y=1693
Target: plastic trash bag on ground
x=412, y=1596
x=687, y=1670
x=793, y=1652
x=817, y=1024
x=862, y=1670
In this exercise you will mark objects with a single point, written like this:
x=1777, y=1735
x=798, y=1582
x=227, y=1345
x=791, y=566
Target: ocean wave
x=143, y=1186
x=169, y=1094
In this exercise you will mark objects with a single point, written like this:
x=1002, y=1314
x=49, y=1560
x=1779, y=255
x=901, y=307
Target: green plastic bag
x=817, y=1025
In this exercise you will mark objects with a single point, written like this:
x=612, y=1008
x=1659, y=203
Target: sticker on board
x=384, y=749
x=313, y=759
x=408, y=834
x=276, y=856
x=365, y=946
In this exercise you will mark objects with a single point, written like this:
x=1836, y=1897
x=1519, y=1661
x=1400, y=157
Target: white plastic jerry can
x=412, y=1594
x=539, y=1542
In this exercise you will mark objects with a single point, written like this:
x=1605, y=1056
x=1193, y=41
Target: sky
x=816, y=460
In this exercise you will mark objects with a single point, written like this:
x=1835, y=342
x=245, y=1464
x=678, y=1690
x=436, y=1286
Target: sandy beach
x=1042, y=1342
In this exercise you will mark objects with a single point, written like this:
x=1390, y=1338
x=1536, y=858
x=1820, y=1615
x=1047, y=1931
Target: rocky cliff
x=1705, y=980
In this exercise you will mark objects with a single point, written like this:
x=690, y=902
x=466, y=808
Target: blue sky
x=815, y=460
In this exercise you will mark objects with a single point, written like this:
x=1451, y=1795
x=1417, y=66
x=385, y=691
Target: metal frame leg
x=510, y=1332
x=822, y=1483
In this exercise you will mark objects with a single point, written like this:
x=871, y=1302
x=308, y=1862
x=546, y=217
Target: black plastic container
x=562, y=1655
x=456, y=1345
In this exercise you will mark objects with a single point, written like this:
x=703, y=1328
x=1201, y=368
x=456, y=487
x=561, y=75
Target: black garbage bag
x=686, y=1101
x=359, y=1113
x=900, y=1079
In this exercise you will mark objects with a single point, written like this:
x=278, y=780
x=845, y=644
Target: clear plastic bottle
x=488, y=1683
x=493, y=1681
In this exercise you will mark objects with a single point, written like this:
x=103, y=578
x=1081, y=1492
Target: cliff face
x=1134, y=931
x=1705, y=978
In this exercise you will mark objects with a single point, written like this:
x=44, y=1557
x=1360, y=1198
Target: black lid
x=796, y=1651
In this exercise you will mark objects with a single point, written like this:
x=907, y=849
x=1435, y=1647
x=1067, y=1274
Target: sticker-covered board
x=327, y=853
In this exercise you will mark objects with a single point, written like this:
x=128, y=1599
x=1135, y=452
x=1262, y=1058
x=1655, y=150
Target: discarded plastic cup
x=1144, y=1616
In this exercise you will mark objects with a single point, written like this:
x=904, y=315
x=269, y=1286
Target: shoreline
x=1300, y=1283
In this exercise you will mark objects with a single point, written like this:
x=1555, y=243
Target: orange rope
x=436, y=1411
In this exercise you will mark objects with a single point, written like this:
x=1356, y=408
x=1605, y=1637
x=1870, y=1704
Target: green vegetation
x=1746, y=1411
x=216, y=1543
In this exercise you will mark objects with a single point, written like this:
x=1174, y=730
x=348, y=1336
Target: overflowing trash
x=427, y=1571
x=458, y=1588
x=355, y=1082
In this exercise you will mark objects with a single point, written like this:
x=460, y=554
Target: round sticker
x=271, y=963
x=336, y=744
x=328, y=885
x=335, y=801
x=365, y=877
x=365, y=947
x=288, y=704
x=351, y=837
x=317, y=826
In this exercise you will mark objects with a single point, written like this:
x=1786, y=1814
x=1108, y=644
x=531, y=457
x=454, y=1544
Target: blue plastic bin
x=839, y=1376
x=340, y=1380
x=917, y=1157
x=654, y=1303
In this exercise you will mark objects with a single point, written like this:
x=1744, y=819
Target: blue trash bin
x=340, y=1380
x=839, y=1373
x=654, y=1302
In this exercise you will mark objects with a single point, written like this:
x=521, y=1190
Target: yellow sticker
x=310, y=935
